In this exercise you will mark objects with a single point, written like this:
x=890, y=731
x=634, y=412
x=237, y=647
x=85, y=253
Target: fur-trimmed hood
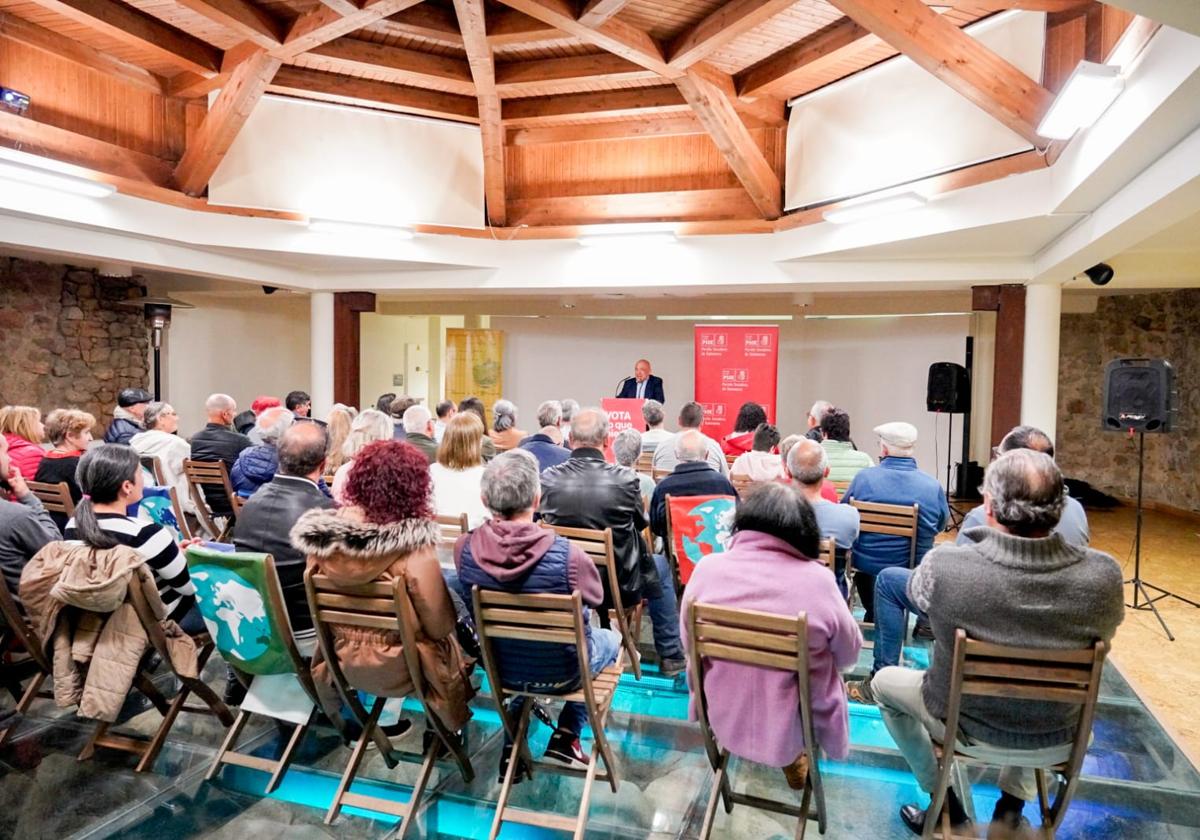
x=325, y=534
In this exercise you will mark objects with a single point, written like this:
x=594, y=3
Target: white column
x=1039, y=375
x=320, y=340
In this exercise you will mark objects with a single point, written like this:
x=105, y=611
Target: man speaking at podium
x=642, y=385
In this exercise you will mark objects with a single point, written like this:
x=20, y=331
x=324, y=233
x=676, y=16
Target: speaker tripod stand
x=1140, y=587
x=956, y=518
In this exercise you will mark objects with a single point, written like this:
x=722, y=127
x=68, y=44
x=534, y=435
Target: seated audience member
x=749, y=417
x=459, y=469
x=691, y=416
x=22, y=428
x=653, y=414
x=70, y=431
x=761, y=463
x=475, y=406
x=814, y=420
x=256, y=465
x=267, y=519
x=446, y=409
x=386, y=532
x=369, y=426
x=218, y=442
x=828, y=491
x=25, y=526
x=111, y=479
x=587, y=492
x=546, y=445
x=160, y=441
x=1015, y=582
x=384, y=403
x=694, y=476
x=505, y=434
x=627, y=448
x=418, y=431
x=512, y=554
x=244, y=422
x=569, y=409
x=844, y=460
x=338, y=423
x=896, y=481
x=299, y=403
x=127, y=416
x=808, y=464
x=396, y=408
x=775, y=538
x=1073, y=524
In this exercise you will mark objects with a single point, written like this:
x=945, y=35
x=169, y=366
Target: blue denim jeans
x=891, y=601
x=603, y=649
x=664, y=614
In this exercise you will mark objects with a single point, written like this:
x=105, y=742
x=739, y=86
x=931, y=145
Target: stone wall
x=66, y=341
x=1160, y=325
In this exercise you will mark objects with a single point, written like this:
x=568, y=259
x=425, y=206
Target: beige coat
x=78, y=600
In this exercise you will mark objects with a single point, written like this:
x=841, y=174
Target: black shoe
x=1009, y=825
x=923, y=630
x=914, y=818
x=672, y=667
x=564, y=747
x=522, y=772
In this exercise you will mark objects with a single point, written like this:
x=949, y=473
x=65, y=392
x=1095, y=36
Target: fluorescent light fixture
x=868, y=208
x=360, y=229
x=880, y=316
x=1087, y=94
x=625, y=238
x=724, y=317
x=61, y=181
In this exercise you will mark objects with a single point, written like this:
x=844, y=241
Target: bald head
x=302, y=450
x=589, y=428
x=690, y=446
x=220, y=409
x=807, y=462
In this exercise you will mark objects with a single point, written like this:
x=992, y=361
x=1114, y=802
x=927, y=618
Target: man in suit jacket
x=642, y=385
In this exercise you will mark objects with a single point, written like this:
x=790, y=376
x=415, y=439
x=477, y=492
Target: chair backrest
x=645, y=463
x=55, y=498
x=17, y=625
x=697, y=526
x=451, y=528
x=729, y=459
x=240, y=597
x=828, y=551
x=598, y=545
x=841, y=487
x=153, y=465
x=658, y=474
x=894, y=520
x=161, y=506
x=212, y=476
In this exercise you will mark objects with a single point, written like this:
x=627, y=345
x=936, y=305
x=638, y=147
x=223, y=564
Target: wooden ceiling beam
x=678, y=206
x=22, y=31
x=956, y=58
x=552, y=110
x=533, y=78
x=431, y=23
x=194, y=86
x=324, y=24
x=348, y=54
x=510, y=28
x=722, y=26
x=627, y=129
x=775, y=75
x=240, y=17
x=711, y=96
x=224, y=120
x=472, y=22
x=596, y=12
x=331, y=87
x=141, y=31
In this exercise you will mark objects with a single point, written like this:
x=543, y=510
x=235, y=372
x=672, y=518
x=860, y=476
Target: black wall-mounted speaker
x=1139, y=395
x=949, y=388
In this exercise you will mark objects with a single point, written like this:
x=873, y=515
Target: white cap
x=898, y=435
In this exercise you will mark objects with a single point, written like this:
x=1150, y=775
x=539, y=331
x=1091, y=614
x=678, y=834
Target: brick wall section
x=66, y=341
x=1160, y=325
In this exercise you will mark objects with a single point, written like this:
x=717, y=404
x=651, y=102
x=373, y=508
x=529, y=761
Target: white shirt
x=759, y=466
x=651, y=438
x=641, y=389
x=665, y=458
x=458, y=491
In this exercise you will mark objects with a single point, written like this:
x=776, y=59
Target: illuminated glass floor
x=1138, y=784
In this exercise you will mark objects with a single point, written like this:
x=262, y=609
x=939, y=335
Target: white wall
x=875, y=368
x=241, y=346
x=382, y=355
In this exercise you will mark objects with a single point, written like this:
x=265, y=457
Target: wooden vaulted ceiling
x=601, y=110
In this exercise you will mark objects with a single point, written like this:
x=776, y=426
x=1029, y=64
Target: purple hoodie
x=508, y=551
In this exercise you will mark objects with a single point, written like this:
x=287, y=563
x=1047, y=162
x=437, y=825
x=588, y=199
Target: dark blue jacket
x=691, y=478
x=548, y=453
x=255, y=466
x=654, y=389
x=897, y=481
x=121, y=430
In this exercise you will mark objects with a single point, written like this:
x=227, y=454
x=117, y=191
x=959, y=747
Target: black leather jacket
x=587, y=492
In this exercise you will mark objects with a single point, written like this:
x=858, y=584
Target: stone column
x=321, y=353
x=1039, y=381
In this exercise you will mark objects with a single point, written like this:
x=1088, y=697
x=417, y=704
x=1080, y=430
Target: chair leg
x=805, y=802
x=586, y=798
x=23, y=704
x=356, y=757
x=164, y=728
x=710, y=811
x=285, y=759
x=602, y=746
x=818, y=787
x=1039, y=776
x=228, y=744
x=89, y=749
x=514, y=758
x=414, y=802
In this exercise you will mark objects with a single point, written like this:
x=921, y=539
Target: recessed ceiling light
x=869, y=208
x=61, y=181
x=1087, y=94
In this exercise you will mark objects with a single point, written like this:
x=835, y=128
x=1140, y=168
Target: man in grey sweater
x=1017, y=582
x=25, y=526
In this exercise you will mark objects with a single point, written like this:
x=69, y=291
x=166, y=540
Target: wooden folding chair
x=55, y=498
x=658, y=475
x=147, y=751
x=213, y=477
x=760, y=640
x=503, y=618
x=176, y=522
x=729, y=459
x=378, y=605
x=645, y=464
x=841, y=487
x=982, y=669
x=153, y=465
x=268, y=670
x=828, y=553
x=598, y=545
x=681, y=568
x=894, y=520
x=24, y=658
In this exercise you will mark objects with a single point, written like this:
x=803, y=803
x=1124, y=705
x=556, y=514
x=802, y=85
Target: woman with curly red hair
x=382, y=533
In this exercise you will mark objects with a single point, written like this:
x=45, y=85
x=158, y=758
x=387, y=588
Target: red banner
x=735, y=365
x=622, y=414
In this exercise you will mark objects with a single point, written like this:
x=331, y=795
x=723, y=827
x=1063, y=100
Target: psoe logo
x=730, y=376
x=713, y=411
x=712, y=339
x=758, y=341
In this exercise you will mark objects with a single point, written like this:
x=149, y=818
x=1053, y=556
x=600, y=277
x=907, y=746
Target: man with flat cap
x=127, y=417
x=896, y=481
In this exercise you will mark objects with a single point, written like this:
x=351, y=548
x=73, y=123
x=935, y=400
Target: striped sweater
x=155, y=543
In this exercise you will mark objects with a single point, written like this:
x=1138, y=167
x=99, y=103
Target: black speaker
x=1139, y=395
x=949, y=388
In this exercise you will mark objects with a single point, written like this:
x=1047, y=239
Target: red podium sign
x=622, y=414
x=735, y=364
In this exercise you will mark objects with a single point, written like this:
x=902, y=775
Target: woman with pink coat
x=770, y=566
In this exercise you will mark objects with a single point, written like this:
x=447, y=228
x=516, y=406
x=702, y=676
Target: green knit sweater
x=844, y=460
